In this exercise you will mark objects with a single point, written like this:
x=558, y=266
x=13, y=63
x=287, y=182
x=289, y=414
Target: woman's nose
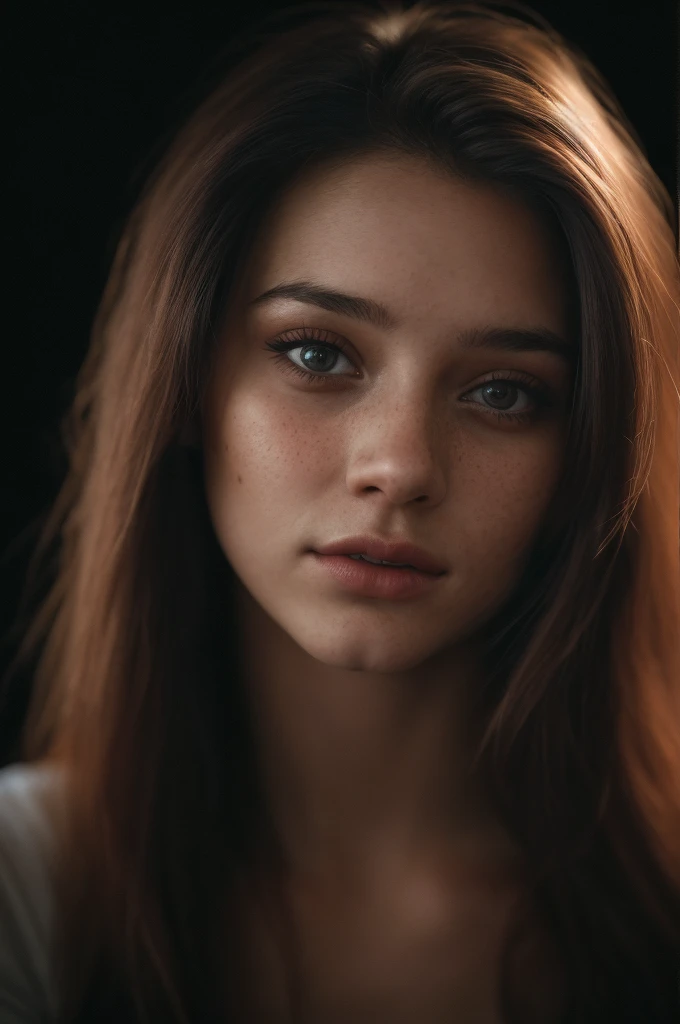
x=396, y=448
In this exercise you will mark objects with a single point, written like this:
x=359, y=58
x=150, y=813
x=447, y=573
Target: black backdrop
x=92, y=91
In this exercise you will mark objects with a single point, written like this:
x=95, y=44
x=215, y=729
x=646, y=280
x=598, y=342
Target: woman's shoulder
x=27, y=843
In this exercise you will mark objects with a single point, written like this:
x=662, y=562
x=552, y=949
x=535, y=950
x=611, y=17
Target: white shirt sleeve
x=26, y=897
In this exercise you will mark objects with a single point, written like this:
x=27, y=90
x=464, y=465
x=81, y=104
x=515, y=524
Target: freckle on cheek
x=239, y=479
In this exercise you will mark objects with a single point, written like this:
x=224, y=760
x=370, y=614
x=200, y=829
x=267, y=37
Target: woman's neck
x=356, y=765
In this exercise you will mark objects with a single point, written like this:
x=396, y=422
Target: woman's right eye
x=317, y=357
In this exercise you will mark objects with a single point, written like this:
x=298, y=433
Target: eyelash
x=536, y=390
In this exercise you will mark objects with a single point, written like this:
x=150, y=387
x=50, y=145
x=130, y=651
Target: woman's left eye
x=319, y=356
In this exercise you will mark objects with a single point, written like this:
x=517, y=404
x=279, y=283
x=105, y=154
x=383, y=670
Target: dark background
x=93, y=91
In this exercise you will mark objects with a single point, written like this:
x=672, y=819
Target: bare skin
x=401, y=878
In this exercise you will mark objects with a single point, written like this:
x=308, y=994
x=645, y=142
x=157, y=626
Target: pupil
x=506, y=391
x=318, y=353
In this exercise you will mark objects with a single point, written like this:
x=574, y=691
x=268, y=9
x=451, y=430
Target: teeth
x=377, y=561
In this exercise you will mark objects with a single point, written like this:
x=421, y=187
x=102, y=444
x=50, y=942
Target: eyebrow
x=511, y=339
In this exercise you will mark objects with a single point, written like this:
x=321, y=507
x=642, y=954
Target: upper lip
x=398, y=551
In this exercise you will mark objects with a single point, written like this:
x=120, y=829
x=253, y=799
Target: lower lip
x=375, y=580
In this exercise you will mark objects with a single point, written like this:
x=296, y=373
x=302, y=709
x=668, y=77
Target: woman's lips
x=383, y=550
x=377, y=581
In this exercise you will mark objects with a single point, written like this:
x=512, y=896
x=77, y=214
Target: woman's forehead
x=428, y=246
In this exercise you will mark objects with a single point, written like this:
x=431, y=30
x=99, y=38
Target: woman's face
x=398, y=435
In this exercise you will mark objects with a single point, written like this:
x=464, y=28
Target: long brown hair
x=136, y=693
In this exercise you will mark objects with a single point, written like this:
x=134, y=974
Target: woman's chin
x=368, y=654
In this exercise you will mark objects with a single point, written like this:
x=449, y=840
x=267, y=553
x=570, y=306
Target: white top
x=27, y=993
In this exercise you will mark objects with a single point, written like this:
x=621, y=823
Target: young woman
x=404, y=289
